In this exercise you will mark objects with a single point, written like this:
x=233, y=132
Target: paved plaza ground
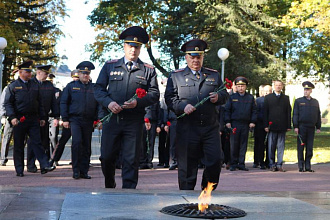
x=261, y=193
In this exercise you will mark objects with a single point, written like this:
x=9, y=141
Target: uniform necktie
x=129, y=65
x=197, y=75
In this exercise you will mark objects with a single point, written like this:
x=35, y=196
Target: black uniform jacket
x=307, y=113
x=241, y=109
x=48, y=98
x=184, y=88
x=116, y=83
x=152, y=112
x=77, y=100
x=24, y=99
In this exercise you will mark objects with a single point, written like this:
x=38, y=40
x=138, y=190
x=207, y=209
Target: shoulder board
x=178, y=70
x=112, y=61
x=149, y=66
x=210, y=69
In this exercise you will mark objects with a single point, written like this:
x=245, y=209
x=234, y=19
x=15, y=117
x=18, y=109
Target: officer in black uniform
x=79, y=109
x=50, y=106
x=149, y=137
x=306, y=117
x=240, y=113
x=23, y=104
x=65, y=135
x=116, y=84
x=198, y=132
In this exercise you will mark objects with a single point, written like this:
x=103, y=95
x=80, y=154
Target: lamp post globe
x=3, y=43
x=223, y=54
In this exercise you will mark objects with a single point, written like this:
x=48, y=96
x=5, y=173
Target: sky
x=79, y=33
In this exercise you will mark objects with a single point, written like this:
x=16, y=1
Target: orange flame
x=205, y=197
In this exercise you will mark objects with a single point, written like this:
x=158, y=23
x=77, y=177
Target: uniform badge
x=210, y=80
x=19, y=87
x=75, y=88
x=235, y=100
x=141, y=77
x=302, y=103
x=111, y=73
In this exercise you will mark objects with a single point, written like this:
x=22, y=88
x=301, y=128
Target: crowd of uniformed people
x=212, y=135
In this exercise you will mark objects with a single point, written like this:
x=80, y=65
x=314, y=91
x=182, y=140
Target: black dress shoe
x=56, y=163
x=310, y=170
x=47, y=169
x=301, y=170
x=262, y=167
x=20, y=174
x=32, y=170
x=85, y=176
x=166, y=166
x=173, y=167
x=75, y=176
x=232, y=168
x=243, y=168
x=255, y=166
x=160, y=164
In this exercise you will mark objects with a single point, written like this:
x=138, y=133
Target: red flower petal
x=168, y=123
x=140, y=93
x=146, y=120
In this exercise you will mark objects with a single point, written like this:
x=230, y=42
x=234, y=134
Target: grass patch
x=321, y=152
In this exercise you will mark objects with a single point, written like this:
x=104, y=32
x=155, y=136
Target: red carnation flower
x=96, y=122
x=302, y=144
x=234, y=130
x=146, y=120
x=228, y=83
x=140, y=93
x=270, y=123
x=168, y=123
x=22, y=119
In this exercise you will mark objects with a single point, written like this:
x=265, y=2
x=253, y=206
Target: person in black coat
x=79, y=110
x=197, y=133
x=116, y=85
x=149, y=136
x=51, y=106
x=277, y=121
x=260, y=145
x=240, y=115
x=306, y=117
x=25, y=111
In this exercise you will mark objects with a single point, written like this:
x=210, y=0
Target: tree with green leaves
x=309, y=22
x=31, y=31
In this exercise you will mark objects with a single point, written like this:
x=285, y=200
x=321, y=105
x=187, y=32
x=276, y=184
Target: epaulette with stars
x=210, y=69
x=149, y=66
x=112, y=61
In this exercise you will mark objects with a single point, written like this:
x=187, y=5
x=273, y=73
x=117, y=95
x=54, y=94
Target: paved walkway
x=39, y=195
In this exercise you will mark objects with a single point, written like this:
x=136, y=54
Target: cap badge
x=197, y=48
x=135, y=39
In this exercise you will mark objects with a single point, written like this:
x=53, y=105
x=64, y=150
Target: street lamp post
x=3, y=45
x=223, y=54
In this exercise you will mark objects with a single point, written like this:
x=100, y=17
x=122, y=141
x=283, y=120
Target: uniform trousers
x=148, y=144
x=259, y=145
x=7, y=135
x=30, y=127
x=65, y=137
x=238, y=145
x=81, y=130
x=276, y=141
x=53, y=135
x=194, y=142
x=307, y=135
x=124, y=134
x=44, y=135
x=163, y=148
x=172, y=142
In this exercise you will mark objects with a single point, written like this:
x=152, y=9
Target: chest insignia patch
x=75, y=88
x=140, y=77
x=302, y=103
x=235, y=100
x=19, y=87
x=210, y=80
